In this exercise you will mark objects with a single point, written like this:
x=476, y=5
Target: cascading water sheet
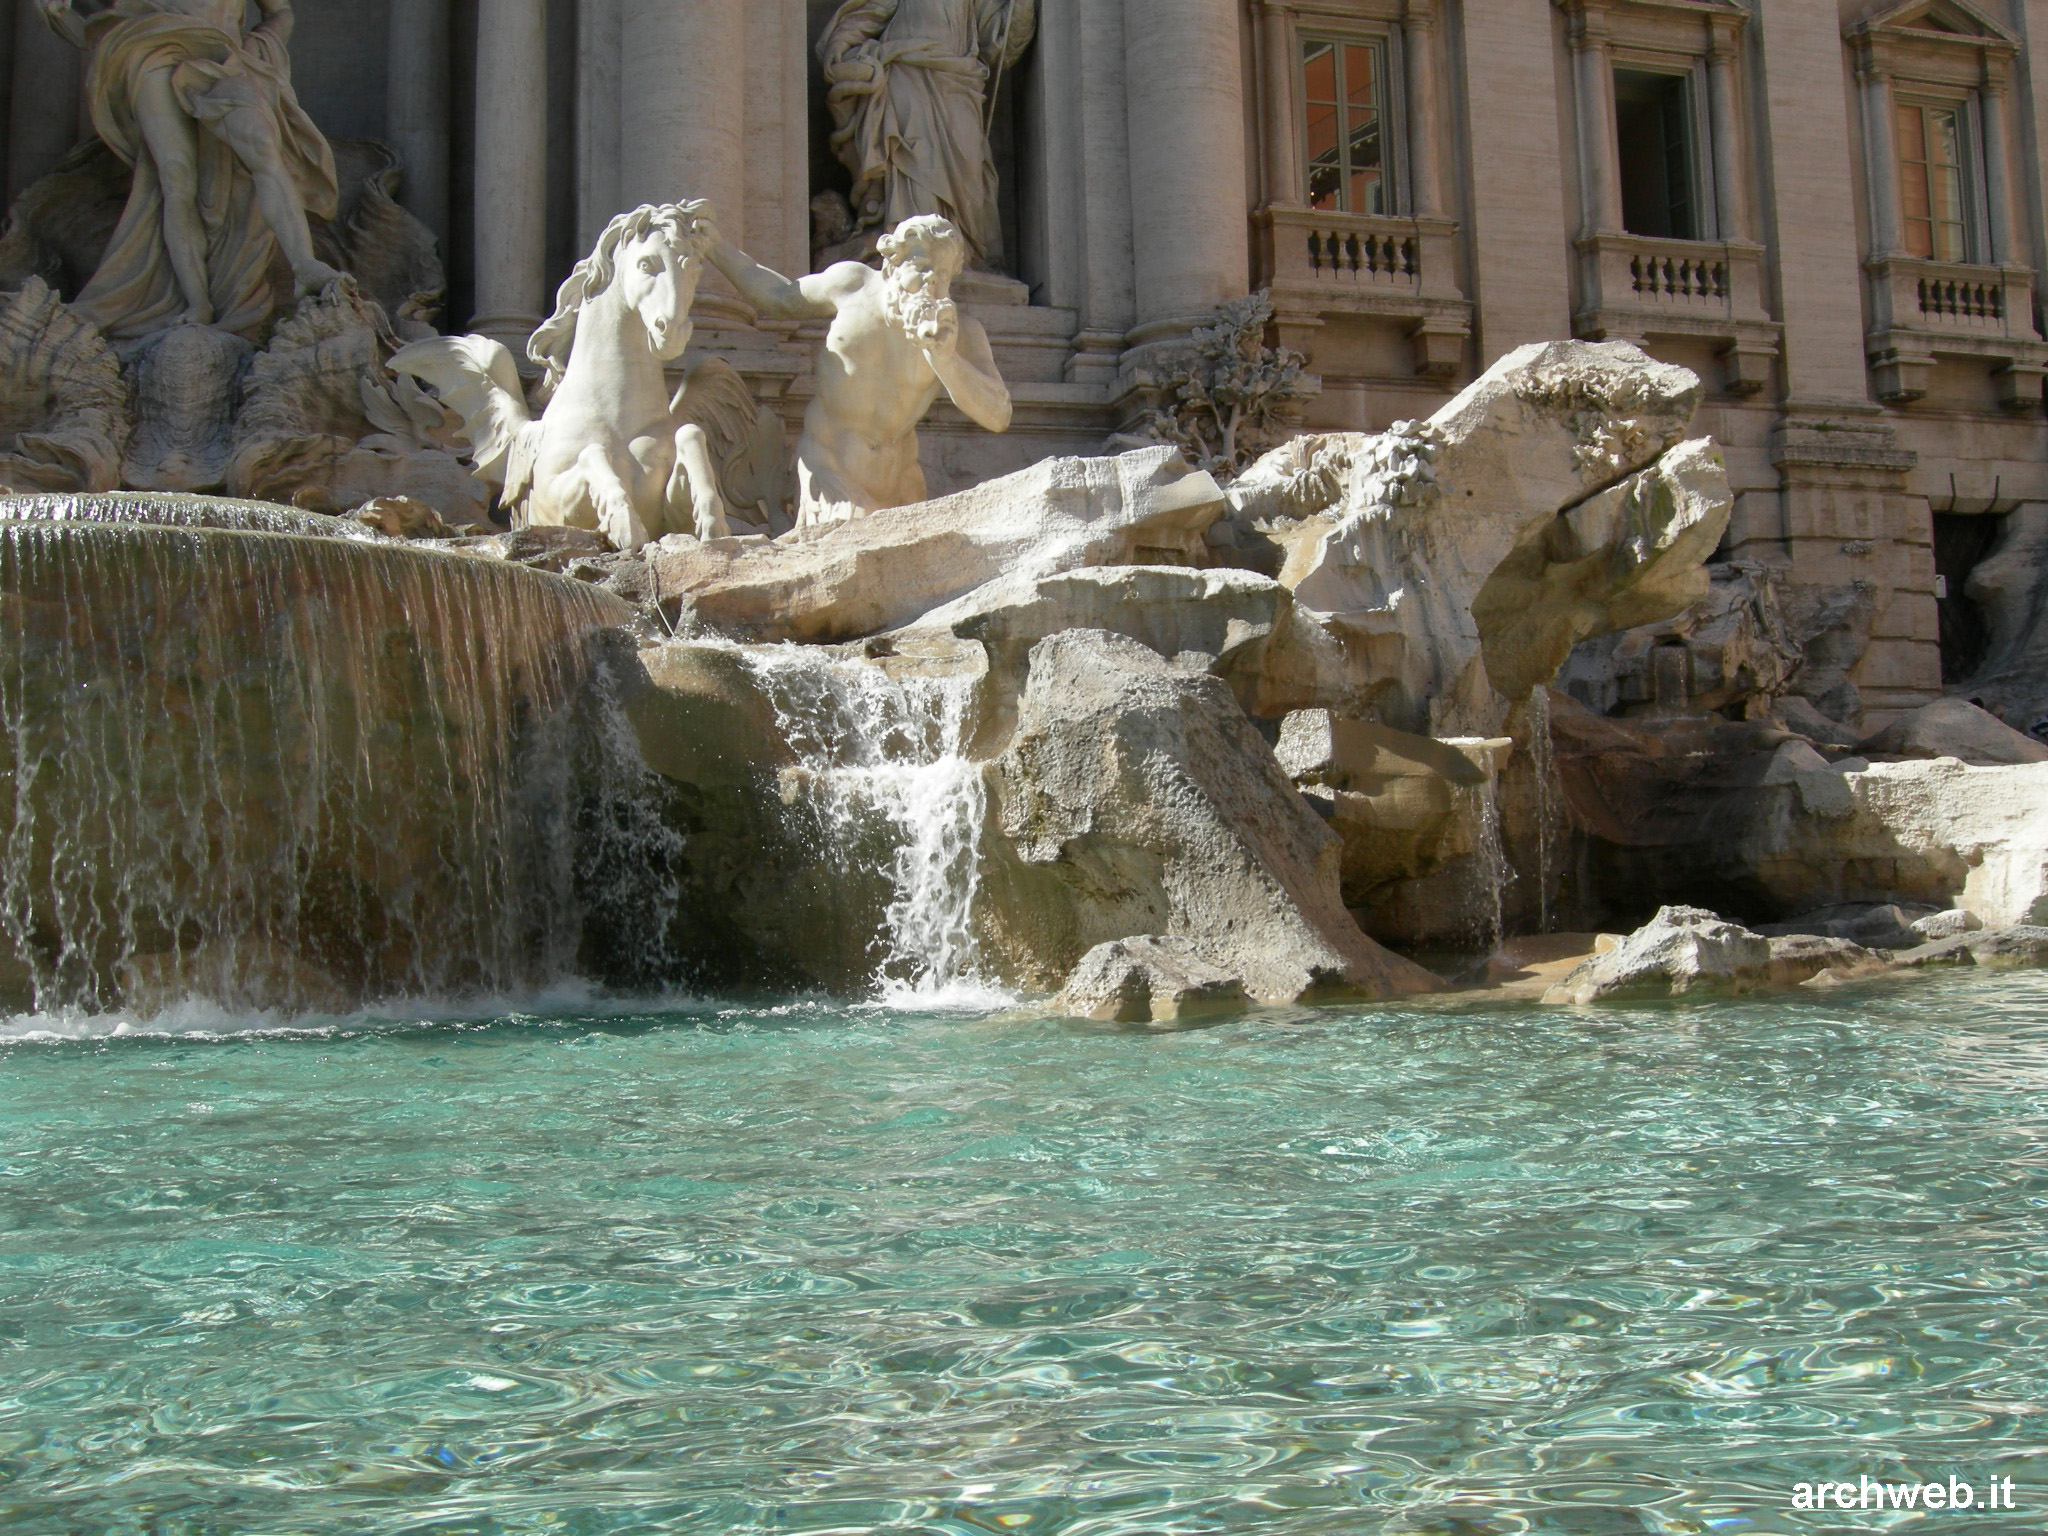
x=284, y=773
x=884, y=767
x=1549, y=808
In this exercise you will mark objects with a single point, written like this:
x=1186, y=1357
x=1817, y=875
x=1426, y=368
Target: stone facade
x=1835, y=213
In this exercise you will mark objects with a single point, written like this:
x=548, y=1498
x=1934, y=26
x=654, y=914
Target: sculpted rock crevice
x=1136, y=798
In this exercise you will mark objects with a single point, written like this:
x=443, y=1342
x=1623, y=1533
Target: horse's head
x=658, y=281
x=648, y=261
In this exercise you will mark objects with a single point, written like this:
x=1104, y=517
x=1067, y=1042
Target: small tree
x=1234, y=398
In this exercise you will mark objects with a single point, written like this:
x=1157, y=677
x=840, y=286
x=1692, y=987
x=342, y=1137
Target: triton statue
x=896, y=340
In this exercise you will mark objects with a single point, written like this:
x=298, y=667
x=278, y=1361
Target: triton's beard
x=916, y=302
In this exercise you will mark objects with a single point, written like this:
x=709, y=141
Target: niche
x=1962, y=541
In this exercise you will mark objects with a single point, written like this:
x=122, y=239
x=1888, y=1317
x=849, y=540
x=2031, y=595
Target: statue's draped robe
x=214, y=72
x=909, y=90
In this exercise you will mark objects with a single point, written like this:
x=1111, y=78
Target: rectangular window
x=1660, y=163
x=1934, y=201
x=1345, y=88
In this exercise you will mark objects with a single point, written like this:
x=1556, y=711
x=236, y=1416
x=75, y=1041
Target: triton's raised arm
x=776, y=297
x=966, y=365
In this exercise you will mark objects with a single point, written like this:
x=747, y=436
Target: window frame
x=1387, y=42
x=1702, y=172
x=1967, y=66
x=1972, y=174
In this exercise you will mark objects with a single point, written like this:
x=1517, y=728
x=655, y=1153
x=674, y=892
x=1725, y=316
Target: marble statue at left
x=896, y=339
x=226, y=163
x=612, y=452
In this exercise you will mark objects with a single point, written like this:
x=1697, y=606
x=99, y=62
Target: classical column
x=1881, y=155
x=777, y=171
x=683, y=91
x=1419, y=40
x=1188, y=195
x=1599, y=152
x=42, y=118
x=597, y=118
x=683, y=110
x=1997, y=174
x=1721, y=104
x=511, y=169
x=1101, y=183
x=1283, y=168
x=416, y=115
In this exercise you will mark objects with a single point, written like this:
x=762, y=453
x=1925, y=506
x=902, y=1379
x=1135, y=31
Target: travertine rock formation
x=1403, y=804
x=891, y=568
x=1959, y=729
x=1760, y=822
x=1135, y=798
x=1682, y=951
x=1394, y=540
x=1148, y=980
x=1226, y=617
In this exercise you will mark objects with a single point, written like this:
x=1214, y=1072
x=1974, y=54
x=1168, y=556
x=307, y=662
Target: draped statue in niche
x=911, y=85
x=227, y=164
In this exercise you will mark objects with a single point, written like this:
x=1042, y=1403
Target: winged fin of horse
x=477, y=379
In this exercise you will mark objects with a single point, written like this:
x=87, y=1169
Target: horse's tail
x=477, y=379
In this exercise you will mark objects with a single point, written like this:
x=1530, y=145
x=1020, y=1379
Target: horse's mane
x=686, y=225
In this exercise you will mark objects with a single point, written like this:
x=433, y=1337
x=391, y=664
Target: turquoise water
x=1454, y=1270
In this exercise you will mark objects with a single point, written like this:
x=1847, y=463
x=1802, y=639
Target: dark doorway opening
x=1961, y=543
x=1653, y=119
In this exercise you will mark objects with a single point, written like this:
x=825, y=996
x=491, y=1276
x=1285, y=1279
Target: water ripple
x=1441, y=1272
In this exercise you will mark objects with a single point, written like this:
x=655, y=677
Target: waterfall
x=1543, y=764
x=1490, y=870
x=883, y=766
x=274, y=772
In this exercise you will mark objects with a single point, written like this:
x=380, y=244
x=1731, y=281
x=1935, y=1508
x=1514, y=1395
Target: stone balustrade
x=1322, y=265
x=1633, y=287
x=1924, y=310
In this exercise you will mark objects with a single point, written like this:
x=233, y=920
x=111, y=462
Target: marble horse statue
x=612, y=451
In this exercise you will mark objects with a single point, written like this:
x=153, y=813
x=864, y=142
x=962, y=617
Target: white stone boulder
x=1136, y=798
x=1225, y=615
x=1959, y=729
x=1797, y=959
x=1938, y=831
x=888, y=569
x=1390, y=541
x=1952, y=924
x=1404, y=805
x=2021, y=946
x=1680, y=952
x=1148, y=980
